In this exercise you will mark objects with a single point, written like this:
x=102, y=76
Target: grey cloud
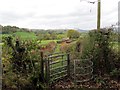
x=11, y=17
x=78, y=18
x=76, y=13
x=74, y=22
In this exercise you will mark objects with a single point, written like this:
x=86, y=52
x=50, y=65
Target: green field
x=25, y=35
x=22, y=35
x=43, y=42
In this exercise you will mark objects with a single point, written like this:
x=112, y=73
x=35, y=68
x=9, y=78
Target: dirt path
x=105, y=82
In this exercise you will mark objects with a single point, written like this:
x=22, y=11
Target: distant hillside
x=80, y=30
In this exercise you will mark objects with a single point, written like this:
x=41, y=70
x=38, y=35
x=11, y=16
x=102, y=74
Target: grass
x=57, y=48
x=116, y=46
x=1, y=44
x=44, y=42
x=22, y=35
x=25, y=35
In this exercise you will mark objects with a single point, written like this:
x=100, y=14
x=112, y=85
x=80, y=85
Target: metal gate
x=83, y=70
x=57, y=66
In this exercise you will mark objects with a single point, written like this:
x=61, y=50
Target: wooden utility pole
x=98, y=15
x=98, y=12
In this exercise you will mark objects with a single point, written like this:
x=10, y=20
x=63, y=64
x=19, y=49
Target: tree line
x=50, y=34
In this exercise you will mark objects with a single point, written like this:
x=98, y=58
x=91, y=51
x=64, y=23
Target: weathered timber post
x=42, y=64
x=47, y=71
x=68, y=64
x=62, y=60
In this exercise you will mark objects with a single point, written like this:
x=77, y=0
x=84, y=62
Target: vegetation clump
x=21, y=67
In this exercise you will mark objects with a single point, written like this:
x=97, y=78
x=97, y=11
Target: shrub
x=115, y=73
x=97, y=45
x=101, y=51
x=21, y=64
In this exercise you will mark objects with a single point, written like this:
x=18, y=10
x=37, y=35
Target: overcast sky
x=57, y=13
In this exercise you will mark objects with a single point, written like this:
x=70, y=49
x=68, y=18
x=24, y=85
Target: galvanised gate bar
x=59, y=65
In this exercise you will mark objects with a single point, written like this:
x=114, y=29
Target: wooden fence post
x=46, y=68
x=68, y=64
x=47, y=71
x=42, y=64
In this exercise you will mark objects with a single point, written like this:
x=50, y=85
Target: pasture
x=25, y=35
